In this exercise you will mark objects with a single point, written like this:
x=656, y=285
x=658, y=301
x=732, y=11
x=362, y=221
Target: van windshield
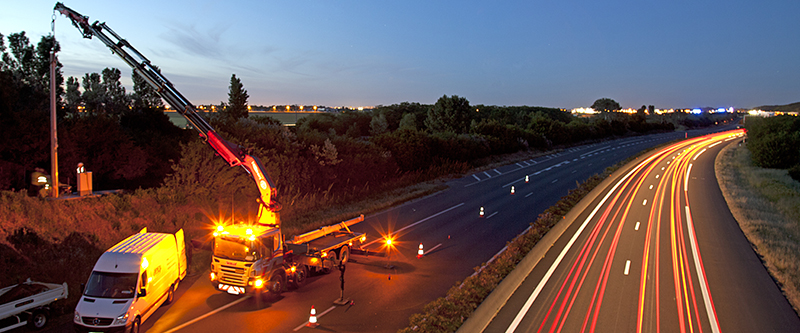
x=111, y=285
x=238, y=248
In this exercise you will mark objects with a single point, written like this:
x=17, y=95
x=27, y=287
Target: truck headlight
x=121, y=319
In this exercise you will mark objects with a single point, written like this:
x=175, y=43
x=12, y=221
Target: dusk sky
x=556, y=53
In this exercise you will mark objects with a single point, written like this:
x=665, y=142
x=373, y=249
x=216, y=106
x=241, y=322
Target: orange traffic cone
x=527, y=179
x=481, y=214
x=420, y=253
x=512, y=189
x=312, y=320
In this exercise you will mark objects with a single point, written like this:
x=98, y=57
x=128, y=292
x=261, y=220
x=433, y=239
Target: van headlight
x=121, y=319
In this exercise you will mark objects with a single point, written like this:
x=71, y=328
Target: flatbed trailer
x=28, y=303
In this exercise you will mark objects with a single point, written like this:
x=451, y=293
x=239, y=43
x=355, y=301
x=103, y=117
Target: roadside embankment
x=766, y=204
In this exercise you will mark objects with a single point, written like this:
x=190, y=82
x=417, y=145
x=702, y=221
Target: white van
x=130, y=281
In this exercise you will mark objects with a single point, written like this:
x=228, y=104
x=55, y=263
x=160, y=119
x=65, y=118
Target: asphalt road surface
x=386, y=291
x=657, y=251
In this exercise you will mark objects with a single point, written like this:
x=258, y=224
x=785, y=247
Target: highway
x=386, y=290
x=655, y=251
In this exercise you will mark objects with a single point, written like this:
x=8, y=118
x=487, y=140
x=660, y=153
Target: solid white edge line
x=522, y=312
x=686, y=179
x=208, y=314
x=418, y=222
x=712, y=317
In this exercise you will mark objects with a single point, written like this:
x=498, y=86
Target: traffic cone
x=527, y=179
x=481, y=214
x=512, y=189
x=420, y=253
x=312, y=319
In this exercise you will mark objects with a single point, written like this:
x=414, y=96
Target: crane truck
x=248, y=257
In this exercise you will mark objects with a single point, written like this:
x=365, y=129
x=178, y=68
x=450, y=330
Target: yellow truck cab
x=130, y=281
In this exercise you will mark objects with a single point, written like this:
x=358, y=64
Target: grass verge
x=766, y=204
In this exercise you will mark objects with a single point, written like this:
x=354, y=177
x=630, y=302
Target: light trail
x=685, y=295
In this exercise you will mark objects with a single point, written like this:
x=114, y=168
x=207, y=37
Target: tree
x=116, y=100
x=144, y=96
x=605, y=105
x=73, y=95
x=408, y=122
x=378, y=125
x=450, y=114
x=237, y=100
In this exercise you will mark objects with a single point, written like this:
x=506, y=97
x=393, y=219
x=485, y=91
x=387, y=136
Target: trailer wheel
x=300, y=276
x=38, y=319
x=328, y=264
x=344, y=254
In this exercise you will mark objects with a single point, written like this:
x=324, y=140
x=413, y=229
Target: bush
x=794, y=172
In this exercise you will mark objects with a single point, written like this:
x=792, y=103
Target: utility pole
x=53, y=132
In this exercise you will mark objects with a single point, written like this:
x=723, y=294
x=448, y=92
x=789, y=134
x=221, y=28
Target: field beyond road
x=766, y=204
x=286, y=118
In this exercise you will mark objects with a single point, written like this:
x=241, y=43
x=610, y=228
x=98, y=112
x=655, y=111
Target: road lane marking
x=498, y=172
x=627, y=267
x=415, y=223
x=209, y=314
x=686, y=179
x=431, y=250
x=637, y=226
x=698, y=154
x=490, y=216
x=712, y=316
x=522, y=312
x=318, y=316
x=487, y=174
x=476, y=177
x=644, y=203
x=529, y=194
x=651, y=187
x=553, y=182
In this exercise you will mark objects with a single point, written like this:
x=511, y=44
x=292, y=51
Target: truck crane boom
x=233, y=154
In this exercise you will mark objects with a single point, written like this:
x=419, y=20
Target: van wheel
x=135, y=326
x=170, y=294
x=38, y=319
x=344, y=254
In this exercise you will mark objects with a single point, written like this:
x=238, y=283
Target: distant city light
x=585, y=111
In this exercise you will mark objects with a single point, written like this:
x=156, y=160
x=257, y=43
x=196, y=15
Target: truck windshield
x=111, y=285
x=236, y=248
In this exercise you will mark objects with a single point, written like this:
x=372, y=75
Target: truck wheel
x=38, y=319
x=328, y=264
x=300, y=276
x=276, y=285
x=344, y=254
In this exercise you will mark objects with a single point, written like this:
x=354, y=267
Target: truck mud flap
x=367, y=253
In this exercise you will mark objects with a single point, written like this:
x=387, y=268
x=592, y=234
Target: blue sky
x=556, y=53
